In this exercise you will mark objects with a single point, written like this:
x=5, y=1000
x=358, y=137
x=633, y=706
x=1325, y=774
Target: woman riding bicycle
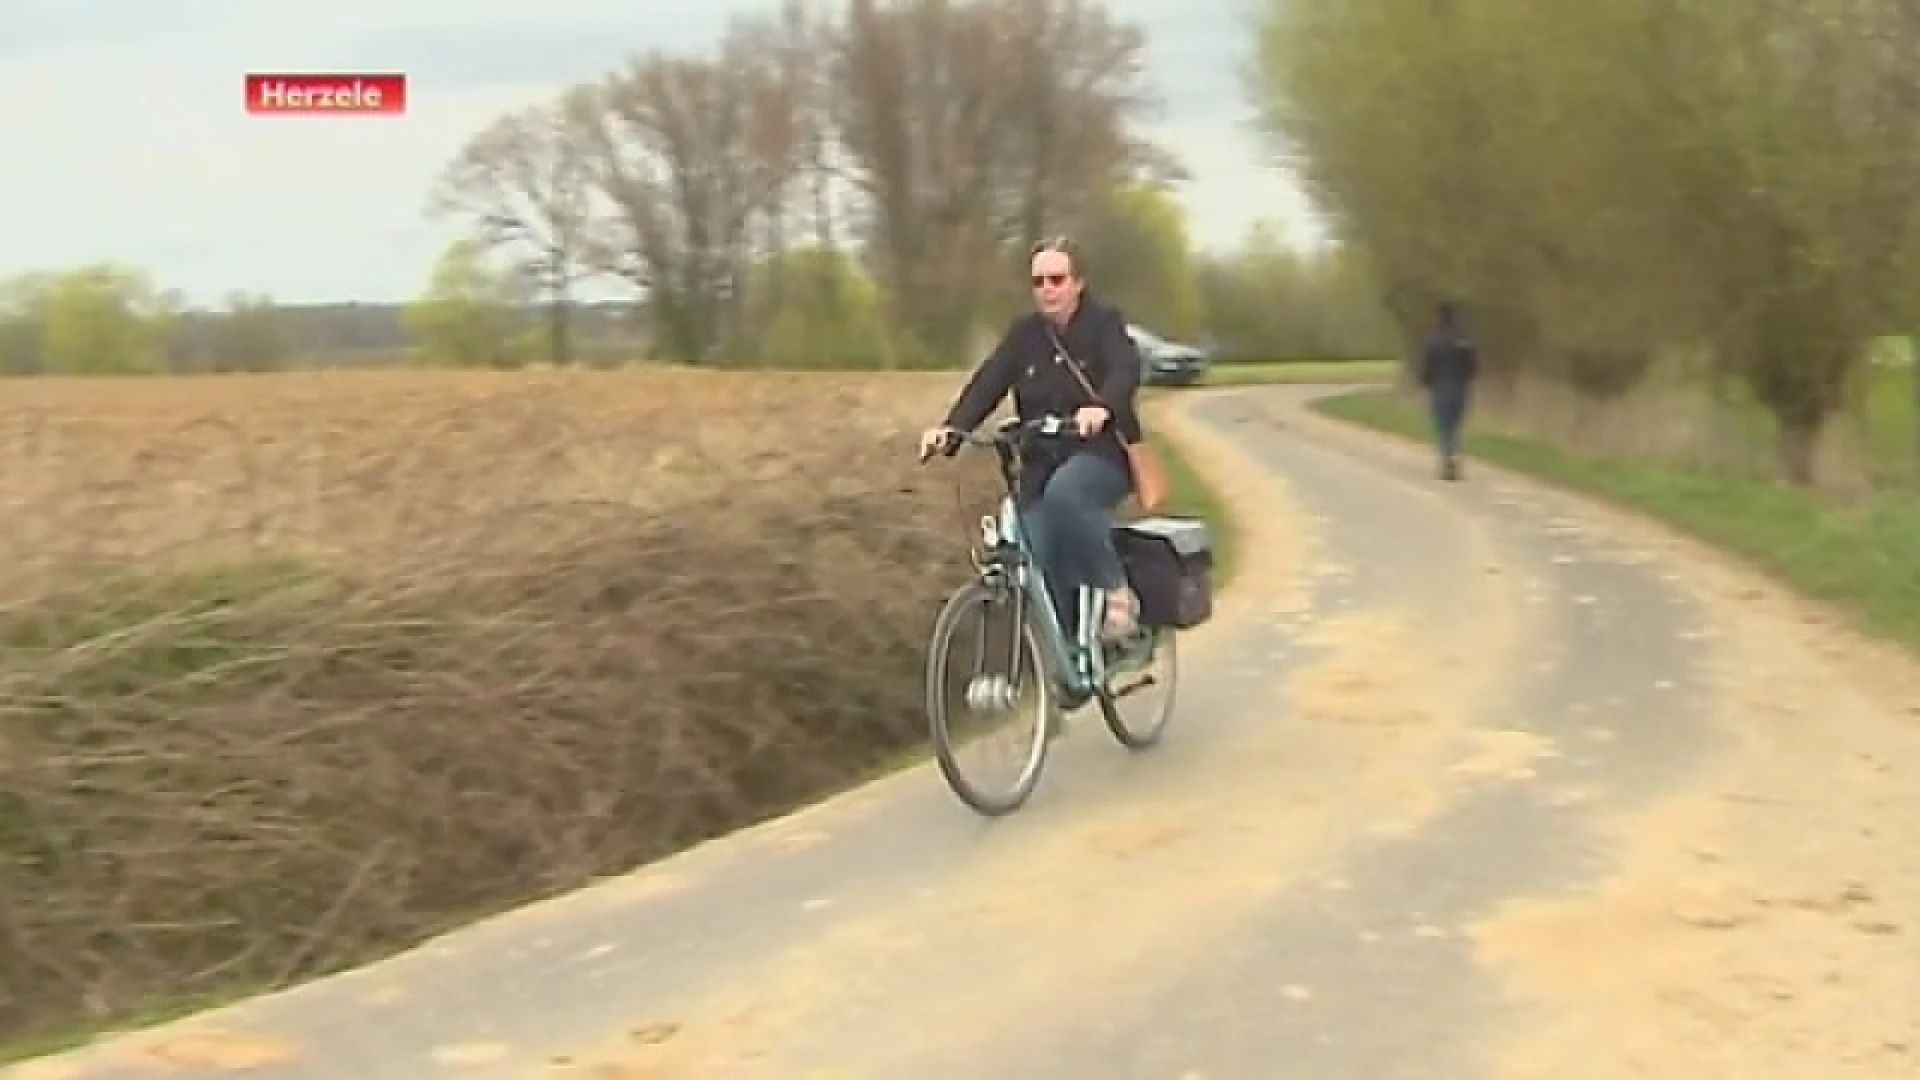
x=1050, y=359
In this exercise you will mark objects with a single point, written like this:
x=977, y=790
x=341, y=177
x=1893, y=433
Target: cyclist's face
x=1056, y=288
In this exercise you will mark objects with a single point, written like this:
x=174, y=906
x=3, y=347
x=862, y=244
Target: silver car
x=1167, y=363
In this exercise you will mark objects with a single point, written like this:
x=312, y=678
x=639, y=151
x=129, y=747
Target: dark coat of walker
x=1449, y=363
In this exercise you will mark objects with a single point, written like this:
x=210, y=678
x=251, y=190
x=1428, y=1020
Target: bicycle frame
x=1010, y=552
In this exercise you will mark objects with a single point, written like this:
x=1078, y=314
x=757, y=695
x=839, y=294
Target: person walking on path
x=1448, y=364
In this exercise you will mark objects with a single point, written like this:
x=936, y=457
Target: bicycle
x=1049, y=670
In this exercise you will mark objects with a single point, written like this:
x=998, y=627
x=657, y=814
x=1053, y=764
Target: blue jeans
x=1449, y=411
x=1071, y=529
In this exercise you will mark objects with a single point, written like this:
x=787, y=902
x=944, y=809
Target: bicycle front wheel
x=988, y=689
x=1137, y=702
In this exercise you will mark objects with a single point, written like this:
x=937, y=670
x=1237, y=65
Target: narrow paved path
x=1468, y=781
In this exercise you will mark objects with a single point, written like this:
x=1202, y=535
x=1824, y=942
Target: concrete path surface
x=1468, y=780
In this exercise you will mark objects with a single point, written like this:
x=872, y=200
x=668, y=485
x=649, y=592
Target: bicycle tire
x=939, y=654
x=1147, y=735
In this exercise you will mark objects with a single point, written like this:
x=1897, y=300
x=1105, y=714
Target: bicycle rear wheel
x=1137, y=702
x=987, y=675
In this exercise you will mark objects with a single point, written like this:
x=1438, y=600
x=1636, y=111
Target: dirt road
x=1468, y=781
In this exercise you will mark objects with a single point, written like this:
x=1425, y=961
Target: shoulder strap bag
x=1149, y=475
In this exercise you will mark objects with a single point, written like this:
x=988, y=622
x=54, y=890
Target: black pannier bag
x=1169, y=563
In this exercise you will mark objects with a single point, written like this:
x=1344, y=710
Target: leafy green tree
x=23, y=314
x=103, y=319
x=1267, y=300
x=1138, y=254
x=814, y=308
x=1612, y=186
x=472, y=314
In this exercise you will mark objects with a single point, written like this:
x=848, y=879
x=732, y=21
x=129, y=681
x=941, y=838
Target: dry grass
x=299, y=669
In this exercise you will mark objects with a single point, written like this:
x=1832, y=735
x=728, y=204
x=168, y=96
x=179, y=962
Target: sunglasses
x=1049, y=279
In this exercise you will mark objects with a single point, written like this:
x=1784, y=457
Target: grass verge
x=1189, y=493
x=1858, y=558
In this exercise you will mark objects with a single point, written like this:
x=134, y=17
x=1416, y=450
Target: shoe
x=1450, y=470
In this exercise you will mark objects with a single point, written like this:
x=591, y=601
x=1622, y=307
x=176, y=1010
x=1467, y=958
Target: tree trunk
x=1799, y=442
x=560, y=313
x=559, y=332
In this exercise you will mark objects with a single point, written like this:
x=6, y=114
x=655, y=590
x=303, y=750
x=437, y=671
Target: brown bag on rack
x=1149, y=475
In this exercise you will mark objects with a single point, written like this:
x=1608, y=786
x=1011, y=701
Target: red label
x=343, y=94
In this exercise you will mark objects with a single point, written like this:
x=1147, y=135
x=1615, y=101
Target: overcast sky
x=126, y=136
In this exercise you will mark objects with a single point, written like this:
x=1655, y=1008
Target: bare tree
x=793, y=144
x=917, y=94
x=943, y=134
x=973, y=126
x=526, y=181
x=694, y=154
x=1082, y=84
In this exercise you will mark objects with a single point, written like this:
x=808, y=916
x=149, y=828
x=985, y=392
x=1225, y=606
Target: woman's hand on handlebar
x=1089, y=420
x=938, y=440
x=1013, y=432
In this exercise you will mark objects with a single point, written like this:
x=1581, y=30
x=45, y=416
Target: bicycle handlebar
x=1009, y=434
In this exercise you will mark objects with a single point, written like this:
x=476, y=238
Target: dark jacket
x=1448, y=362
x=1027, y=363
